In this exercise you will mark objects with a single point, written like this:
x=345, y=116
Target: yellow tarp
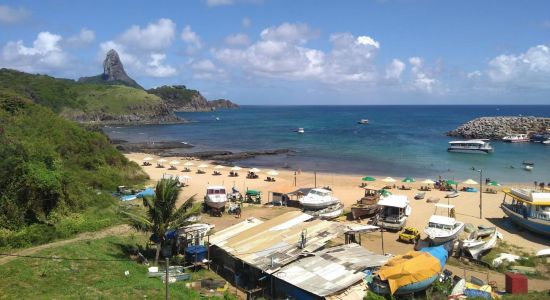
x=412, y=267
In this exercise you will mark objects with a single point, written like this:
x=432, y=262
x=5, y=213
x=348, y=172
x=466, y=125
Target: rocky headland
x=498, y=127
x=181, y=99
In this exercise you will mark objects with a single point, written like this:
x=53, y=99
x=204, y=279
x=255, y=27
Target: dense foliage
x=51, y=168
x=179, y=95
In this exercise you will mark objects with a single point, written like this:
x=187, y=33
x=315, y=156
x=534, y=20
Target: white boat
x=300, y=130
x=516, y=138
x=393, y=213
x=470, y=146
x=363, y=121
x=442, y=229
x=215, y=197
x=317, y=199
x=528, y=168
x=476, y=245
x=452, y=194
x=547, y=142
x=327, y=213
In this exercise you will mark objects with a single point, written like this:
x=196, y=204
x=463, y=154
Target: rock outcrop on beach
x=498, y=127
x=181, y=99
x=113, y=73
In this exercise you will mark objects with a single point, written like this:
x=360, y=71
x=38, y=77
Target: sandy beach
x=347, y=187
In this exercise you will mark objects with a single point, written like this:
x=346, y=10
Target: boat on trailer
x=367, y=205
x=215, y=197
x=528, y=209
x=442, y=229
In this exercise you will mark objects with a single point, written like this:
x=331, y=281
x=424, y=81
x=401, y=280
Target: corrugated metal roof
x=276, y=242
x=330, y=271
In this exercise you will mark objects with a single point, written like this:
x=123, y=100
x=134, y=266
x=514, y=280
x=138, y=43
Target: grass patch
x=27, y=278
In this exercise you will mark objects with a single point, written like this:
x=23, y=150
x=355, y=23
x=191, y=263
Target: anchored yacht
x=470, y=146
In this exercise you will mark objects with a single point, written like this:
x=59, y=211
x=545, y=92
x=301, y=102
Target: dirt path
x=116, y=230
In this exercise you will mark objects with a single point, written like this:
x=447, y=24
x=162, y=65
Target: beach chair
x=186, y=169
x=172, y=168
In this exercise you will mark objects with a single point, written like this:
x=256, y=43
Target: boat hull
x=381, y=287
x=215, y=204
x=318, y=205
x=534, y=225
x=442, y=239
x=477, y=151
x=390, y=225
x=476, y=248
x=359, y=212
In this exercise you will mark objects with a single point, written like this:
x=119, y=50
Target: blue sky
x=296, y=52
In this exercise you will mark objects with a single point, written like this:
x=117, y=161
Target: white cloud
x=155, y=37
x=475, y=74
x=239, y=39
x=367, y=40
x=526, y=70
x=287, y=32
x=192, y=40
x=206, y=69
x=394, y=69
x=219, y=2
x=156, y=68
x=45, y=55
x=421, y=79
x=246, y=22
x=11, y=15
x=84, y=38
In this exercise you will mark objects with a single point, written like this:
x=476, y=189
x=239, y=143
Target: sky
x=278, y=52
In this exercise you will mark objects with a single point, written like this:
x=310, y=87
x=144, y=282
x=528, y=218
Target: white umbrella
x=388, y=179
x=203, y=166
x=186, y=177
x=470, y=182
x=235, y=168
x=219, y=167
x=162, y=160
x=148, y=158
x=428, y=181
x=188, y=164
x=255, y=170
x=272, y=173
x=174, y=162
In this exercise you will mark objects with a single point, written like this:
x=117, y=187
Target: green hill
x=55, y=176
x=180, y=98
x=84, y=102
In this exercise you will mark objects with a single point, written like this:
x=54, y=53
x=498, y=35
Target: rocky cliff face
x=113, y=72
x=181, y=99
x=498, y=127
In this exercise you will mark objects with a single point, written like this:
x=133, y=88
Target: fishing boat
x=516, y=138
x=528, y=209
x=470, y=146
x=299, y=130
x=367, y=205
x=540, y=138
x=215, y=197
x=393, y=212
x=477, y=245
x=327, y=213
x=318, y=198
x=363, y=121
x=412, y=272
x=442, y=229
x=528, y=168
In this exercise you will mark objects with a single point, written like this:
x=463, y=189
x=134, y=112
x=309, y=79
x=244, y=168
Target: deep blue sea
x=399, y=141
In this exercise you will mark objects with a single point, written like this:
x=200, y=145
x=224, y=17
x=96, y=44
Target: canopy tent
x=408, y=180
x=400, y=201
x=451, y=182
x=388, y=179
x=493, y=183
x=384, y=193
x=236, y=168
x=428, y=181
x=470, y=182
x=368, y=178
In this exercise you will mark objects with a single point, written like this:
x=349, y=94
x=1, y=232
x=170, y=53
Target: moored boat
x=363, y=121
x=528, y=209
x=367, y=205
x=318, y=198
x=442, y=229
x=300, y=130
x=470, y=146
x=215, y=197
x=516, y=138
x=393, y=213
x=413, y=272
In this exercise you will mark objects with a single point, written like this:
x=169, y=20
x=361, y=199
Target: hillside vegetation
x=55, y=176
x=83, y=102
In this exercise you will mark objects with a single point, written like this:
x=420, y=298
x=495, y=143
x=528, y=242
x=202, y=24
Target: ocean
x=399, y=140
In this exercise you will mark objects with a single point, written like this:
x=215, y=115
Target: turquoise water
x=399, y=141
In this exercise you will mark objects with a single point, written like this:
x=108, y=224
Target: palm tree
x=161, y=212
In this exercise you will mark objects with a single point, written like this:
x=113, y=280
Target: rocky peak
x=113, y=72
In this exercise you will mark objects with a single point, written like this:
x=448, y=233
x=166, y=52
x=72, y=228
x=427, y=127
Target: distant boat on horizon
x=300, y=130
x=363, y=121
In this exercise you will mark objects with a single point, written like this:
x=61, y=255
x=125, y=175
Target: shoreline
x=347, y=187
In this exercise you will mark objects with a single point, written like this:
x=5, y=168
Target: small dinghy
x=477, y=245
x=452, y=194
x=420, y=196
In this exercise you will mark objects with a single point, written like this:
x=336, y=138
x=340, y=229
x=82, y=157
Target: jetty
x=499, y=127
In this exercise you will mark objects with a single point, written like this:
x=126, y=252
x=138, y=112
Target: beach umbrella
x=219, y=167
x=188, y=164
x=255, y=170
x=186, y=177
x=384, y=193
x=388, y=179
x=368, y=178
x=174, y=162
x=451, y=182
x=408, y=180
x=493, y=183
x=428, y=181
x=236, y=168
x=202, y=166
x=272, y=173
x=162, y=160
x=148, y=158
x=470, y=182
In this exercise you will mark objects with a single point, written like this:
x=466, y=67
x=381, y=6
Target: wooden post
x=167, y=265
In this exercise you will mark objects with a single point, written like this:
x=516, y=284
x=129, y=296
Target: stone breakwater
x=498, y=127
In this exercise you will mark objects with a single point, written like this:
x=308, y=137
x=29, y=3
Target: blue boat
x=440, y=252
x=527, y=209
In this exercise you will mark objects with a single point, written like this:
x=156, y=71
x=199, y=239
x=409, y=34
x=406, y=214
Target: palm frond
x=139, y=222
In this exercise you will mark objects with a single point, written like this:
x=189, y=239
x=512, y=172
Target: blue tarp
x=147, y=192
x=438, y=252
